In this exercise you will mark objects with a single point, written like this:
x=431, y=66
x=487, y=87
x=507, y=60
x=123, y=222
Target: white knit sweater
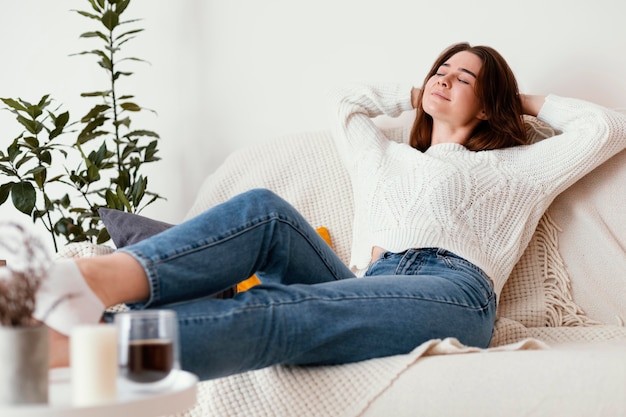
x=483, y=206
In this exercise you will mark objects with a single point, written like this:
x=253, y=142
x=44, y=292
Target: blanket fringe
x=561, y=310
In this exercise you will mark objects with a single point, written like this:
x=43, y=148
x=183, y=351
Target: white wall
x=227, y=73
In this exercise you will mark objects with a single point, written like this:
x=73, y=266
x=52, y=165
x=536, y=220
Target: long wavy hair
x=497, y=89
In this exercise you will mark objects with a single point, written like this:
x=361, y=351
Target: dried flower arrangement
x=20, y=279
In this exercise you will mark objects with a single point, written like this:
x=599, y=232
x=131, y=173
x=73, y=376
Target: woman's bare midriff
x=376, y=252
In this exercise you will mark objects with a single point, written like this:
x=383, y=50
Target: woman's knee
x=266, y=199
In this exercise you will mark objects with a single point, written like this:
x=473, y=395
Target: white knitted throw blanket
x=534, y=313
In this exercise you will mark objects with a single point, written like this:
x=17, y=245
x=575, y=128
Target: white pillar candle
x=93, y=364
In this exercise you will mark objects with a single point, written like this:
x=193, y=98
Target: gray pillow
x=128, y=228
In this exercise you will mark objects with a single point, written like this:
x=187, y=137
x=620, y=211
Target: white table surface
x=180, y=397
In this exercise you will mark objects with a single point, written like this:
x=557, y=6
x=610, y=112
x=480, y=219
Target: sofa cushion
x=128, y=228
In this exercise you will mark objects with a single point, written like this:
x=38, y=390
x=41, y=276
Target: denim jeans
x=310, y=308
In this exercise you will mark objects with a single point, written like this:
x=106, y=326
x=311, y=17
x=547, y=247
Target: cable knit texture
x=483, y=206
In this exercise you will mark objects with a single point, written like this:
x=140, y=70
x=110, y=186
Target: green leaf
x=79, y=181
x=139, y=189
x=105, y=63
x=32, y=142
x=110, y=19
x=30, y=125
x=56, y=178
x=47, y=204
x=36, y=170
x=150, y=153
x=118, y=74
x=13, y=104
x=96, y=7
x=62, y=226
x=89, y=15
x=148, y=133
x=123, y=179
x=132, y=59
x=65, y=201
x=122, y=197
x=5, y=189
x=121, y=6
x=8, y=171
x=40, y=174
x=128, y=106
x=86, y=137
x=113, y=201
x=24, y=197
x=43, y=103
x=128, y=149
x=54, y=133
x=97, y=157
x=91, y=35
x=45, y=157
x=23, y=160
x=100, y=53
x=14, y=150
x=103, y=236
x=93, y=173
x=96, y=94
x=61, y=120
x=34, y=111
x=129, y=34
x=96, y=111
x=123, y=122
x=90, y=127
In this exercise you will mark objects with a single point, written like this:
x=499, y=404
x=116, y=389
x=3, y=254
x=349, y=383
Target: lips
x=440, y=95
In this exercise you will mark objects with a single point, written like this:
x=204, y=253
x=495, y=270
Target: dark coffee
x=149, y=360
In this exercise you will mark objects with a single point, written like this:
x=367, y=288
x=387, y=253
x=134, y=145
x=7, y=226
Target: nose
x=443, y=81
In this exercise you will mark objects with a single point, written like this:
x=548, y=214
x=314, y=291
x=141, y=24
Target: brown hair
x=497, y=89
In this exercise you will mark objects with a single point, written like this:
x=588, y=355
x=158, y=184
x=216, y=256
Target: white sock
x=64, y=299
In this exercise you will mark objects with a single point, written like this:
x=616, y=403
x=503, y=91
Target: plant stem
x=51, y=230
x=114, y=98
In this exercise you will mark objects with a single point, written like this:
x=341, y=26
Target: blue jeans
x=310, y=308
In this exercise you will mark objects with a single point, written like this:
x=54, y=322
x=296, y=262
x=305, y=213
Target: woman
x=438, y=227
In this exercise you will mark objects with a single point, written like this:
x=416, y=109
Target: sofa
x=559, y=346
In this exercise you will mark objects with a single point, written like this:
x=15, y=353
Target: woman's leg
x=254, y=232
x=339, y=321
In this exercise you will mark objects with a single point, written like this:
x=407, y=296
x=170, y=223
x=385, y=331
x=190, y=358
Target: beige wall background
x=224, y=74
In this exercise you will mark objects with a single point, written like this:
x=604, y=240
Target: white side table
x=180, y=397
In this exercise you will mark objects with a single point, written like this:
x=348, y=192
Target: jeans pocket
x=386, y=264
x=469, y=270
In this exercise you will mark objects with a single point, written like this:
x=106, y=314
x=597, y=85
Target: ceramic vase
x=23, y=365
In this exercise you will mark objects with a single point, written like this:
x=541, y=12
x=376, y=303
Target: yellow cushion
x=253, y=280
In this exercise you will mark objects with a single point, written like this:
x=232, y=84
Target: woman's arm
x=354, y=107
x=531, y=104
x=590, y=134
x=415, y=93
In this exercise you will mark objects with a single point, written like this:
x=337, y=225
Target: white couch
x=559, y=347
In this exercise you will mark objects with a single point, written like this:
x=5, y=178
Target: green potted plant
x=43, y=179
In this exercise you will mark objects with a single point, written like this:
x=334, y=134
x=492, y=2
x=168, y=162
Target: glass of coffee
x=148, y=348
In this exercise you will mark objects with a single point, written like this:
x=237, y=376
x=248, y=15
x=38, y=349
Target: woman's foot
x=77, y=291
x=65, y=300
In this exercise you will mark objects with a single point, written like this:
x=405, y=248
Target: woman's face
x=450, y=96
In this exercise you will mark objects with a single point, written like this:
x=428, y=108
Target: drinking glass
x=148, y=348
